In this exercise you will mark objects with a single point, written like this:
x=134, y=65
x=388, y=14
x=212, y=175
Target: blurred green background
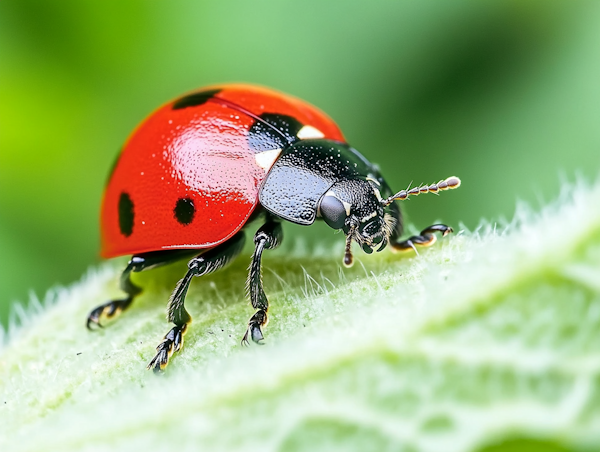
x=505, y=95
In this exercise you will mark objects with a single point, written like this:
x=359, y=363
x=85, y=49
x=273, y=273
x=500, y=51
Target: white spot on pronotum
x=377, y=194
x=307, y=132
x=266, y=159
x=347, y=207
x=372, y=179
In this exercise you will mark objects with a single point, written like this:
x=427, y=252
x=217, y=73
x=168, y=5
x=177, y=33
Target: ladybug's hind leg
x=137, y=263
x=269, y=237
x=115, y=307
x=208, y=262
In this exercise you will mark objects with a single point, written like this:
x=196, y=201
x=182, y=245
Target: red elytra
x=199, y=154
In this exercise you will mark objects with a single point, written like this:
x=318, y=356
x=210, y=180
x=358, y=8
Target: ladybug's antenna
x=448, y=184
x=348, y=260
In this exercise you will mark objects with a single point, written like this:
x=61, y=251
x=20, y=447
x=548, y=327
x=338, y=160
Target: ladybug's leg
x=137, y=263
x=269, y=236
x=114, y=307
x=210, y=261
x=425, y=238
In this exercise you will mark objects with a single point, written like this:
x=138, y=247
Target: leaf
x=488, y=341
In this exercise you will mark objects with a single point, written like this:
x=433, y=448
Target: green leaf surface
x=488, y=341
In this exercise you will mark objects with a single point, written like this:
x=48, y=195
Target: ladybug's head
x=355, y=206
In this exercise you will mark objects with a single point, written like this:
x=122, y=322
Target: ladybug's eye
x=333, y=211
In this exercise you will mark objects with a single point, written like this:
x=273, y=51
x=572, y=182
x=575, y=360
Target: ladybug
x=200, y=168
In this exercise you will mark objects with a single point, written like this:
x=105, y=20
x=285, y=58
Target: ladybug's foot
x=425, y=238
x=107, y=310
x=172, y=343
x=254, y=331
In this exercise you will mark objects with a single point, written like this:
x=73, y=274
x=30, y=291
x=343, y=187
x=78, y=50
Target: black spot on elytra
x=195, y=99
x=184, y=211
x=126, y=214
x=261, y=137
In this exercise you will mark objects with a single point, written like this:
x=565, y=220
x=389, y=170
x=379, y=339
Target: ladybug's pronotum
x=198, y=169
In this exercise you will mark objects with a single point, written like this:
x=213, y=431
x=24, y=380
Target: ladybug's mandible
x=196, y=171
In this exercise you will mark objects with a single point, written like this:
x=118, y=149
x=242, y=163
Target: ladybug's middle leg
x=268, y=236
x=208, y=262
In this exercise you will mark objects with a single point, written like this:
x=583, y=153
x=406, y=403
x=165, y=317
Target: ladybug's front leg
x=425, y=238
x=269, y=236
x=210, y=261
